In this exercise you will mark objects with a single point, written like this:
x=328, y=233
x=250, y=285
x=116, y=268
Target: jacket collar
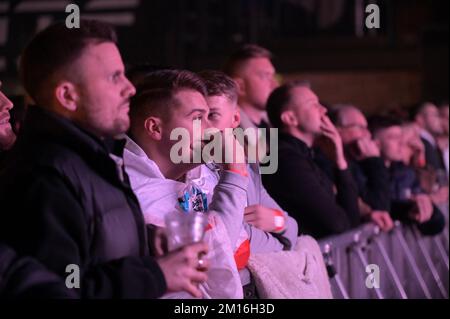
x=44, y=124
x=246, y=122
x=138, y=163
x=295, y=142
x=424, y=134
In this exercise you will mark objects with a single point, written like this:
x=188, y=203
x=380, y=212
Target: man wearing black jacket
x=299, y=185
x=26, y=278
x=65, y=196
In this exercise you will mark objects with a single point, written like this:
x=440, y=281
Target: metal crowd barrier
x=366, y=263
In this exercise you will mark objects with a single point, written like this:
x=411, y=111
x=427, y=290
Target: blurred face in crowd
x=389, y=141
x=412, y=146
x=223, y=113
x=353, y=126
x=444, y=118
x=99, y=97
x=256, y=80
x=7, y=136
x=306, y=110
x=429, y=119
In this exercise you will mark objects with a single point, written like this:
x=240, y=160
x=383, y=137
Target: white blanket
x=297, y=274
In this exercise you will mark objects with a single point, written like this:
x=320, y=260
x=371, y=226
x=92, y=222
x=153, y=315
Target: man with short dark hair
x=252, y=69
x=170, y=103
x=65, y=196
x=299, y=185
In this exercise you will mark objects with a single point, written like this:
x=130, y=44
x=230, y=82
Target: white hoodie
x=158, y=197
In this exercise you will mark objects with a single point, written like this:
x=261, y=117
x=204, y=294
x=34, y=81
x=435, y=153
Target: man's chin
x=121, y=127
x=7, y=140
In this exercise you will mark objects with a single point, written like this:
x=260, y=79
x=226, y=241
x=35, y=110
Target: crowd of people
x=89, y=179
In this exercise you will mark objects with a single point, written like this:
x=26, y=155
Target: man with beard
x=7, y=136
x=65, y=195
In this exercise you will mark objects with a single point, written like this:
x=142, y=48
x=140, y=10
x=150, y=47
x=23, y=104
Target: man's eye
x=115, y=77
x=266, y=76
x=213, y=116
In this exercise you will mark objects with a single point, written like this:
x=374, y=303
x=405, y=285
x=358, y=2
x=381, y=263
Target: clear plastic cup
x=184, y=228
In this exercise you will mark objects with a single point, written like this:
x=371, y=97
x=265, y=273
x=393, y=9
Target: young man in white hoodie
x=233, y=191
x=167, y=100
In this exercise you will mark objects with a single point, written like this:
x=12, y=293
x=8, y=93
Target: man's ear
x=240, y=86
x=153, y=128
x=67, y=96
x=236, y=118
x=288, y=118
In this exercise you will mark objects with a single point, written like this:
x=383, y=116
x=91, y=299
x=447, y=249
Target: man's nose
x=5, y=103
x=274, y=83
x=129, y=90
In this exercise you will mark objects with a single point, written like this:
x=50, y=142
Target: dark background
x=323, y=41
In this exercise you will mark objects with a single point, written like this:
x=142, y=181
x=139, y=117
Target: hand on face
x=329, y=130
x=367, y=148
x=418, y=158
x=412, y=147
x=232, y=155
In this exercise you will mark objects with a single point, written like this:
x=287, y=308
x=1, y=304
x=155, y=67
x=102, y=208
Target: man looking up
x=65, y=196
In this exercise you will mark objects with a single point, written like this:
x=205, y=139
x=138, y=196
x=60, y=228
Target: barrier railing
x=366, y=263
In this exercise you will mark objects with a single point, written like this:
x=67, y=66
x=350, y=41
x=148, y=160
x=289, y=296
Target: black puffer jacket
x=24, y=277
x=64, y=200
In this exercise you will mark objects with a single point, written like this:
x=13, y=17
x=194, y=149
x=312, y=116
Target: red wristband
x=242, y=173
x=280, y=220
